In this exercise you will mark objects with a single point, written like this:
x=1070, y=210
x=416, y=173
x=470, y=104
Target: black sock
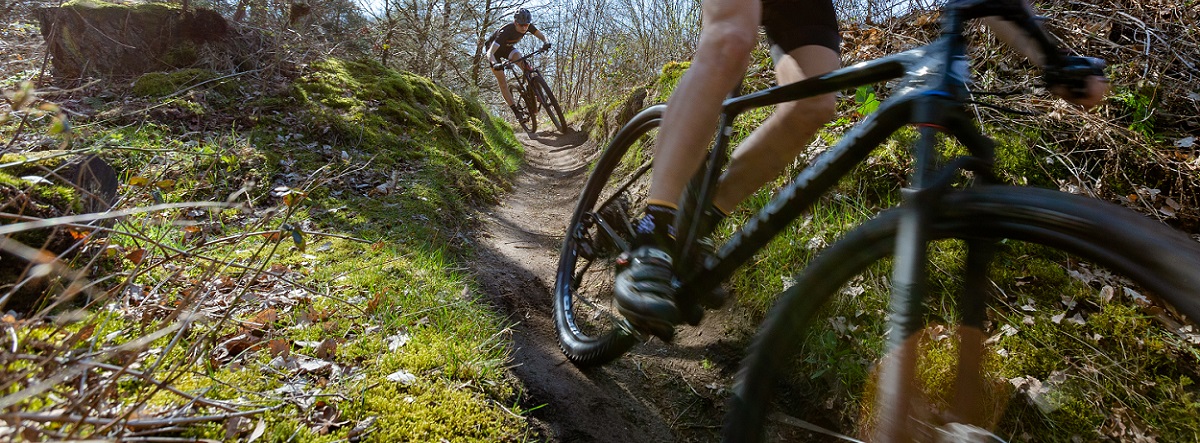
x=657, y=227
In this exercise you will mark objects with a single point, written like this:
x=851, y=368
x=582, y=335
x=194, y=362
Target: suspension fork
x=931, y=180
x=909, y=281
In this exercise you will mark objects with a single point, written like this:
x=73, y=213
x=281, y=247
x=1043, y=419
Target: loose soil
x=658, y=392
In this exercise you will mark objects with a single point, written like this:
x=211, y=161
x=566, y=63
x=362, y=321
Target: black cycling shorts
x=502, y=53
x=791, y=24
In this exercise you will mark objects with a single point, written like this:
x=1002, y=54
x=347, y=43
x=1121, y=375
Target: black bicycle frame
x=931, y=94
x=524, y=74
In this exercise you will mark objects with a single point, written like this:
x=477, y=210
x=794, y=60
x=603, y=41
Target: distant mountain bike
x=953, y=200
x=530, y=91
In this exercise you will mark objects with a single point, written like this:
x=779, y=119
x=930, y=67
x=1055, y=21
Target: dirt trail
x=657, y=393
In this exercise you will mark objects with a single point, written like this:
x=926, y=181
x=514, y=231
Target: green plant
x=1140, y=105
x=866, y=100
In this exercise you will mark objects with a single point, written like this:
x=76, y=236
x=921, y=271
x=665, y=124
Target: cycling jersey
x=791, y=24
x=508, y=36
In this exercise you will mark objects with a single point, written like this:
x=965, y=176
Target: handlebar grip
x=1073, y=73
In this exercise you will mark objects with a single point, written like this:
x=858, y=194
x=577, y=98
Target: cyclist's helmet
x=523, y=17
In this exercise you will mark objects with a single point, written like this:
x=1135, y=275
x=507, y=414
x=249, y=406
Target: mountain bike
x=949, y=197
x=529, y=90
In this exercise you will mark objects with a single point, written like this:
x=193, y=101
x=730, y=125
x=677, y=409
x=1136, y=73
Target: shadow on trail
x=570, y=140
x=516, y=257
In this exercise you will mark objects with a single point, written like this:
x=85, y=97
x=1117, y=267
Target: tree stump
x=104, y=40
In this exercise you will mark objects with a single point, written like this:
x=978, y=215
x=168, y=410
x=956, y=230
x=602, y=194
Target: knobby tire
x=604, y=231
x=1155, y=257
x=549, y=103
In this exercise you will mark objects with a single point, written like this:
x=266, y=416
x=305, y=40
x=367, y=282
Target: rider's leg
x=644, y=289
x=768, y=150
x=503, y=82
x=516, y=55
x=730, y=31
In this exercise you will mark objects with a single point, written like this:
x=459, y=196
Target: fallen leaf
x=258, y=431
x=83, y=334
x=262, y=319
x=136, y=256
x=311, y=365
x=1057, y=319
x=37, y=180
x=235, y=427
x=1077, y=319
x=402, y=377
x=293, y=198
x=325, y=417
x=279, y=347
x=328, y=348
x=397, y=341
x=375, y=301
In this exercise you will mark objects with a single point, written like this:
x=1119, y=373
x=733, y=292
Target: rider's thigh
x=730, y=26
x=799, y=64
x=516, y=55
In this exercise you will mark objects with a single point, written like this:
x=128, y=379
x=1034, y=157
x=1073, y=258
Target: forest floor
x=658, y=392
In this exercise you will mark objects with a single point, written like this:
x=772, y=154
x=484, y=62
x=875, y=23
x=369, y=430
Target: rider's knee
x=812, y=112
x=729, y=43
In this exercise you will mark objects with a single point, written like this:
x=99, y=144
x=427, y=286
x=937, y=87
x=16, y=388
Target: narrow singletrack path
x=657, y=393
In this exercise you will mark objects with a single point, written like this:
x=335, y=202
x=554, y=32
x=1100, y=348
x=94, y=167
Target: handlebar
x=1059, y=68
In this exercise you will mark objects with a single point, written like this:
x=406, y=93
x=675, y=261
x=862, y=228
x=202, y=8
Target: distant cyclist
x=501, y=46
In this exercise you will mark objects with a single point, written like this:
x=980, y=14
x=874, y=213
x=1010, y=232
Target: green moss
x=667, y=79
x=182, y=53
x=146, y=8
x=379, y=110
x=161, y=84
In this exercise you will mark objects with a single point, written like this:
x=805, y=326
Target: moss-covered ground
x=327, y=293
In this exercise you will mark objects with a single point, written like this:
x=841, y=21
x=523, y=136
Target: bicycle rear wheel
x=527, y=103
x=590, y=332
x=550, y=104
x=1144, y=254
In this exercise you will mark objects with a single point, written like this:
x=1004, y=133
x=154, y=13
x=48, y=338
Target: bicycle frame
x=932, y=95
x=522, y=76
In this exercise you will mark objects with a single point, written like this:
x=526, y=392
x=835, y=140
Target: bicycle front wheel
x=527, y=103
x=549, y=103
x=590, y=332
x=1117, y=247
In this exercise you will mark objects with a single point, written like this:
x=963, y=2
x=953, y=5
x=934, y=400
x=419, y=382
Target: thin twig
x=149, y=423
x=143, y=376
